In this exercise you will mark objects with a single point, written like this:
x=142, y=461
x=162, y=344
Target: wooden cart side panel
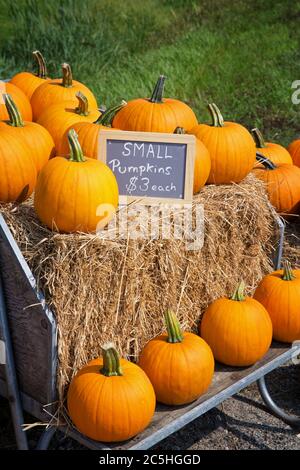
x=32, y=324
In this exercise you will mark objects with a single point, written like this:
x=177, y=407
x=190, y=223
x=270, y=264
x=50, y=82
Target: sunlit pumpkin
x=274, y=152
x=19, y=97
x=294, y=151
x=28, y=82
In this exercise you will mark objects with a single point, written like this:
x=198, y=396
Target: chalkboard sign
x=150, y=167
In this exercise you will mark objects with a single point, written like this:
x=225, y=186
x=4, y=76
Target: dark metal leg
x=45, y=438
x=290, y=419
x=11, y=378
x=278, y=256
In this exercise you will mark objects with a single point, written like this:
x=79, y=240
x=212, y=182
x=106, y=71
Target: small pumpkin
x=77, y=193
x=282, y=184
x=28, y=82
x=155, y=114
x=60, y=117
x=179, y=365
x=37, y=138
x=274, y=152
x=111, y=399
x=294, y=151
x=279, y=293
x=19, y=97
x=231, y=148
x=238, y=329
x=202, y=163
x=88, y=133
x=58, y=90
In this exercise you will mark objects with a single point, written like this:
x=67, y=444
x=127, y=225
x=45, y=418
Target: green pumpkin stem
x=175, y=334
x=179, y=130
x=288, y=274
x=217, y=118
x=111, y=361
x=76, y=154
x=265, y=161
x=83, y=104
x=258, y=138
x=15, y=118
x=107, y=117
x=42, y=68
x=238, y=294
x=158, y=92
x=67, y=79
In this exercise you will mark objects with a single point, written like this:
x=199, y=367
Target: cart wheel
x=277, y=411
x=45, y=438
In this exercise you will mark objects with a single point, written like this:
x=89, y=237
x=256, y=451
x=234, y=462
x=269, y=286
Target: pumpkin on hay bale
x=102, y=290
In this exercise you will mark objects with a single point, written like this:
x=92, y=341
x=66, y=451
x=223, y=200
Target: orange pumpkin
x=179, y=365
x=231, y=148
x=111, y=399
x=238, y=330
x=155, y=114
x=88, y=133
x=38, y=139
x=202, y=163
x=275, y=152
x=58, y=118
x=294, y=150
x=29, y=82
x=58, y=90
x=279, y=293
x=282, y=184
x=21, y=100
x=75, y=194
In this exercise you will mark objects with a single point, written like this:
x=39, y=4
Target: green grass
x=242, y=55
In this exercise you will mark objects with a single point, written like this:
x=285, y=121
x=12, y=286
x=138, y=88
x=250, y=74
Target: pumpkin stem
x=288, y=274
x=111, y=361
x=265, y=161
x=239, y=292
x=216, y=115
x=107, y=117
x=179, y=130
x=157, y=95
x=42, y=69
x=67, y=79
x=258, y=138
x=83, y=104
x=173, y=327
x=15, y=118
x=76, y=154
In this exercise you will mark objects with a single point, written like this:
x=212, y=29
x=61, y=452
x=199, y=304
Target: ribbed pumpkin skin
x=282, y=300
x=179, y=372
x=276, y=153
x=52, y=92
x=19, y=98
x=238, y=332
x=58, y=118
x=111, y=409
x=17, y=168
x=294, y=150
x=231, y=149
x=202, y=166
x=68, y=193
x=145, y=116
x=27, y=82
x=283, y=187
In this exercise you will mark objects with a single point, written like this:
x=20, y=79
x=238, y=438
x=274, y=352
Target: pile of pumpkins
x=112, y=399
x=39, y=153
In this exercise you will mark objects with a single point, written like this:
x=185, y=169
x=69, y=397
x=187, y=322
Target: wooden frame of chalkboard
x=138, y=149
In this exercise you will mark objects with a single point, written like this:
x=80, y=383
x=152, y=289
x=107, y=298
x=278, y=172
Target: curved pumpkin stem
x=265, y=161
x=15, y=118
x=76, y=154
x=258, y=138
x=175, y=334
x=217, y=118
x=111, y=361
x=288, y=274
x=107, y=117
x=42, y=68
x=179, y=130
x=158, y=92
x=83, y=104
x=238, y=294
x=67, y=79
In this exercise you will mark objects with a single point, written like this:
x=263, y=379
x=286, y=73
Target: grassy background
x=241, y=54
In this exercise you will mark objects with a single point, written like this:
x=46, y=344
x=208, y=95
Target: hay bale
x=103, y=290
